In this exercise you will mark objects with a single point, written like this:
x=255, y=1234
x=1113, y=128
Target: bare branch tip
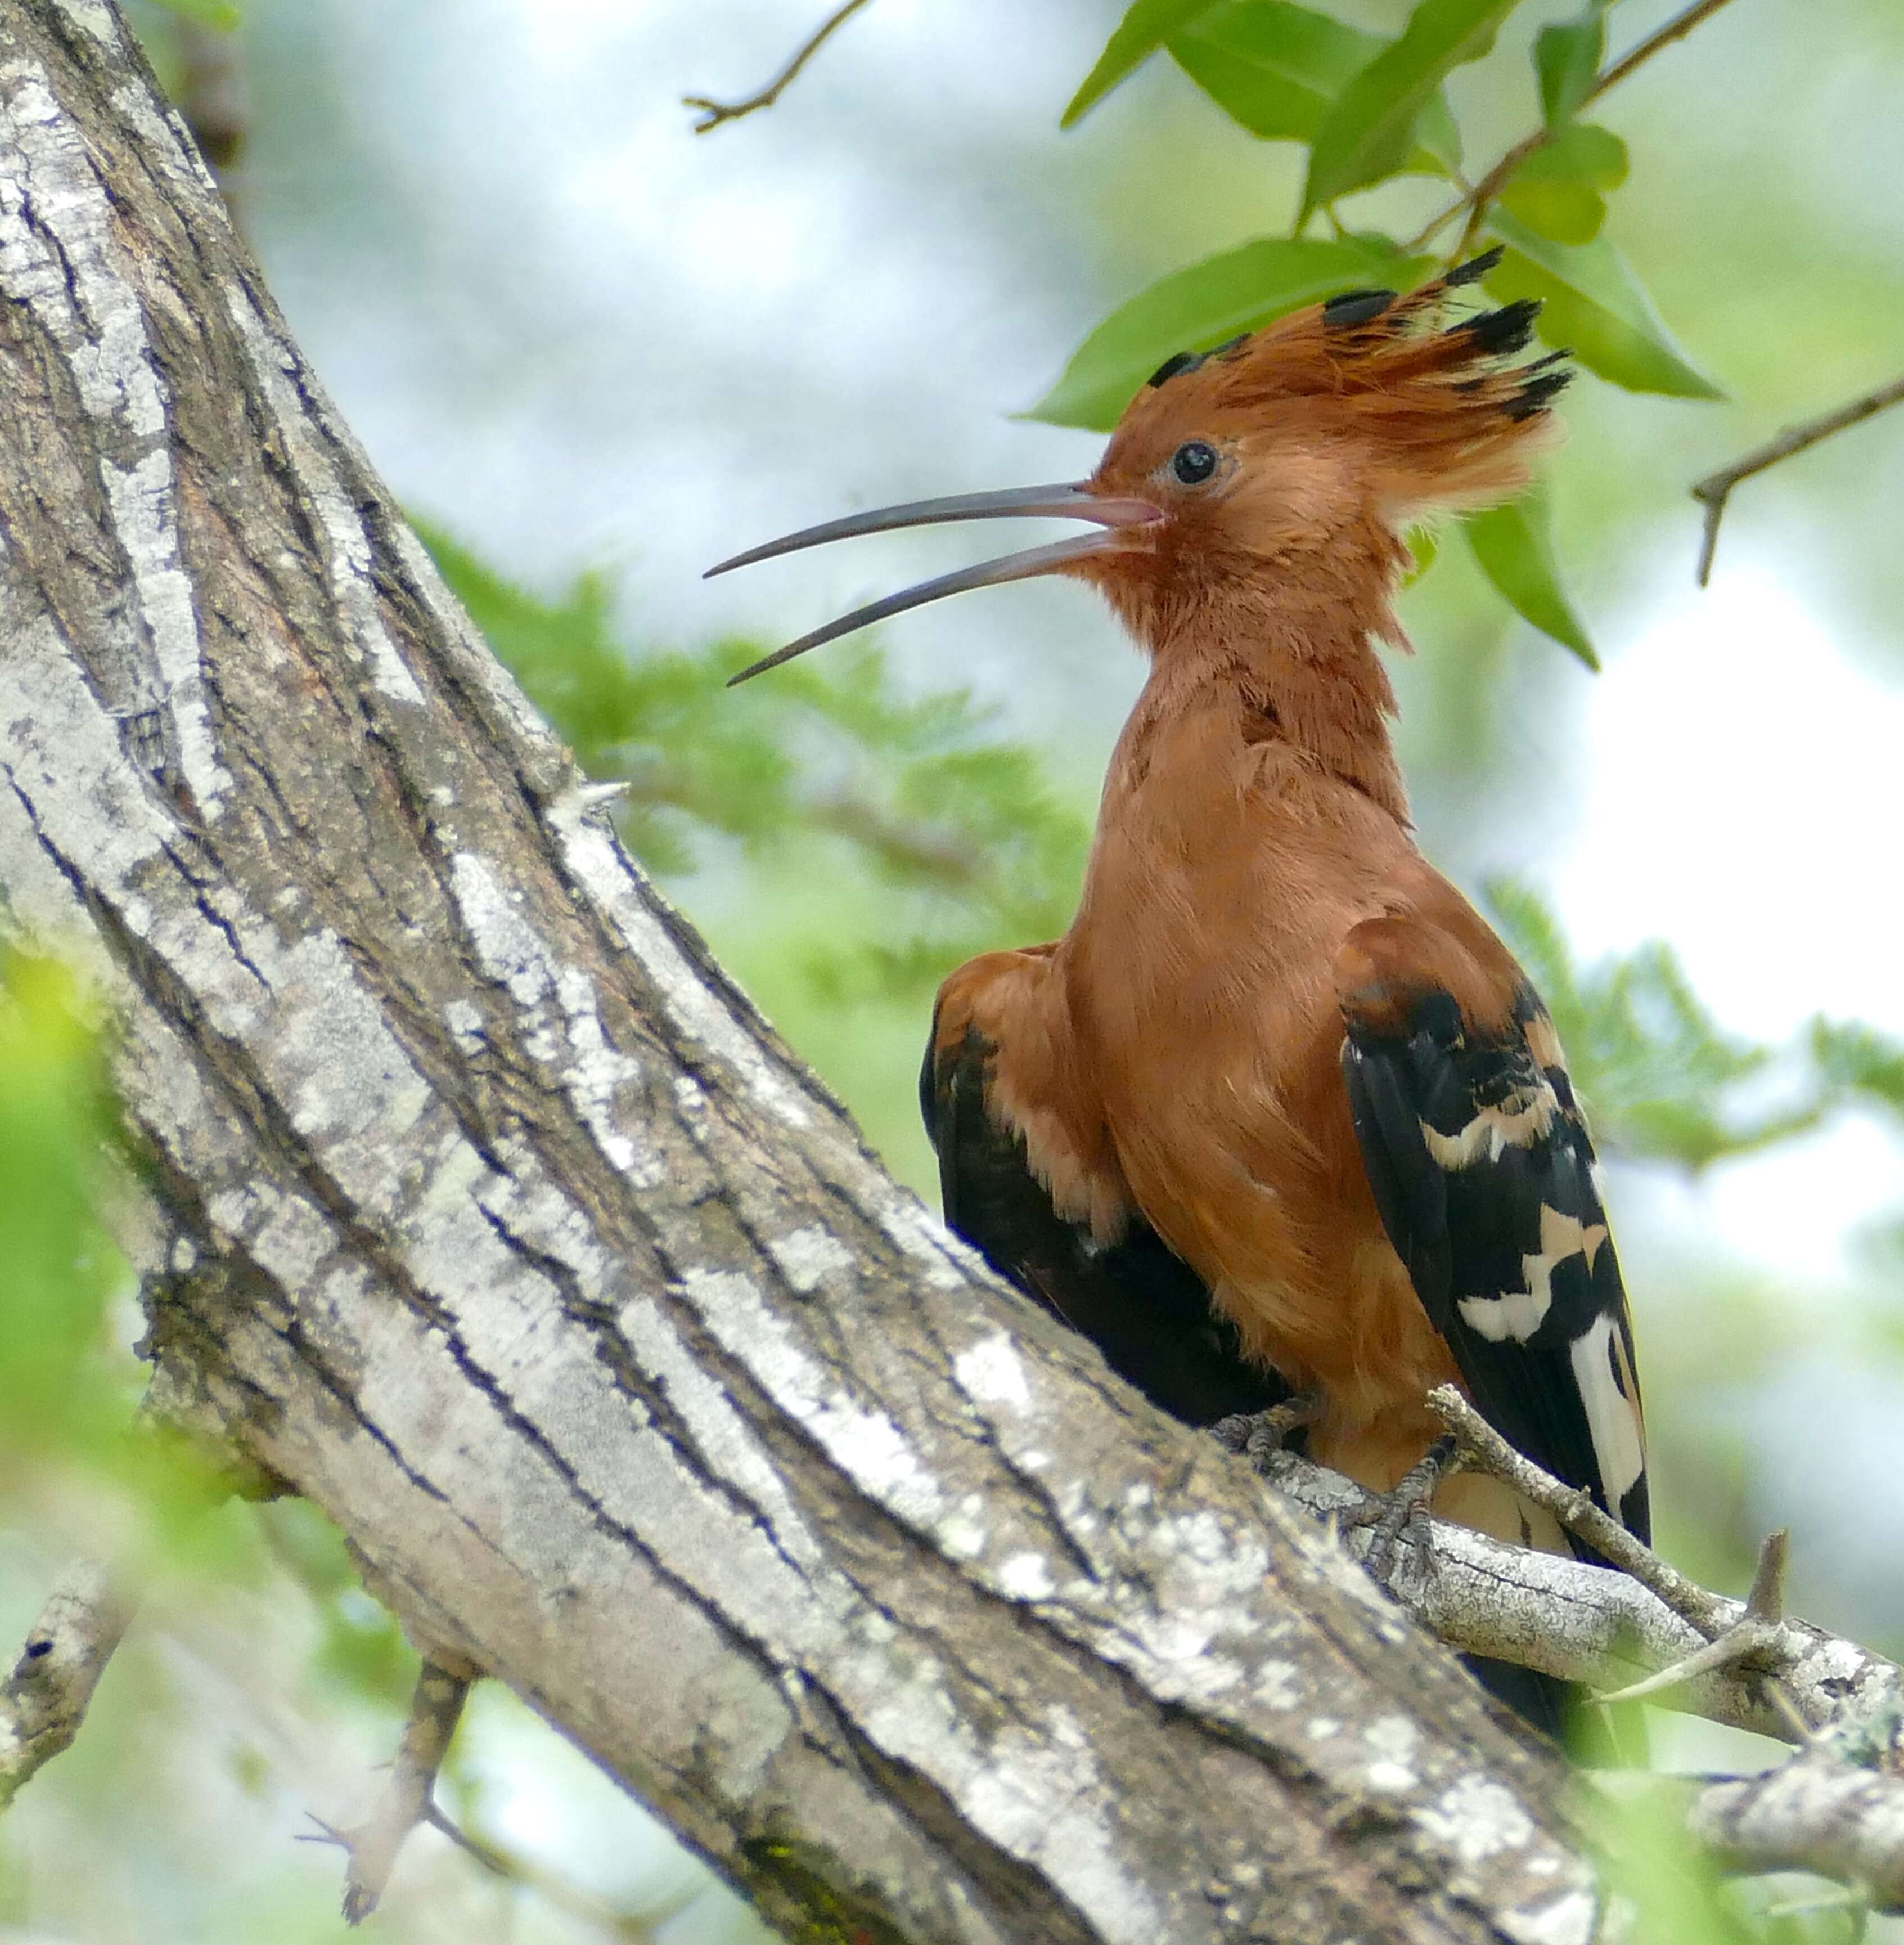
x=714, y=114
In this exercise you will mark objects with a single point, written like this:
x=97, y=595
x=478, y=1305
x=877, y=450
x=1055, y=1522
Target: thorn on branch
x=1757, y=1636
x=714, y=113
x=44, y=1701
x=1484, y=1448
x=371, y=1848
x=1713, y=492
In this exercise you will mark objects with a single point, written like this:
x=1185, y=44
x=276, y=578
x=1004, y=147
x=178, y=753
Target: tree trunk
x=487, y=1214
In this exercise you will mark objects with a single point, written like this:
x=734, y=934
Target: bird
x=1279, y=1122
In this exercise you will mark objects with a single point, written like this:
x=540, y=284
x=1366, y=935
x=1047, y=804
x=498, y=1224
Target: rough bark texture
x=487, y=1213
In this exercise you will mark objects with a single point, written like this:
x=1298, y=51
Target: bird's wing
x=1143, y=1306
x=1483, y=1173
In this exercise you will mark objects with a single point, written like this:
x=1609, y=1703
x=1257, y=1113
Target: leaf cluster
x=1371, y=110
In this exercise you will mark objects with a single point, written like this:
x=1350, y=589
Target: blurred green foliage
x=57, y=1394
x=222, y=14
x=1663, y=1079
x=962, y=834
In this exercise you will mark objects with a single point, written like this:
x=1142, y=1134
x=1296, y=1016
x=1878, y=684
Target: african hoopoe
x=1279, y=1110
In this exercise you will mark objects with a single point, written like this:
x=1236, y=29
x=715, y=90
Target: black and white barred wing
x=1144, y=1308
x=1484, y=1175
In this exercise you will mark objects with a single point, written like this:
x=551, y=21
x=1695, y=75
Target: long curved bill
x=1125, y=522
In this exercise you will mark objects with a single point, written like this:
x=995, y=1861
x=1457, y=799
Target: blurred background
x=592, y=352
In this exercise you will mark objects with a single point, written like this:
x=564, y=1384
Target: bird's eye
x=1194, y=463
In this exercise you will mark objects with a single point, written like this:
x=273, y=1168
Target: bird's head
x=1277, y=472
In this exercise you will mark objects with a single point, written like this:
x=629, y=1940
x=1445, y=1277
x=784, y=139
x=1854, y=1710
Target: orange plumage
x=1277, y=1062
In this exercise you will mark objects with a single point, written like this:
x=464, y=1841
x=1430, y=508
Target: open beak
x=1126, y=523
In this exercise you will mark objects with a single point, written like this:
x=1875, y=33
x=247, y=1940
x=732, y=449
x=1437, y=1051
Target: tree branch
x=1481, y=1446
x=371, y=1848
x=1476, y=200
x=45, y=1700
x=714, y=113
x=1813, y=1814
x=1836, y=1808
x=1713, y=492
x=1592, y=1625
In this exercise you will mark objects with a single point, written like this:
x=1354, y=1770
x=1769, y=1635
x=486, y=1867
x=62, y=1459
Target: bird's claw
x=1392, y=1512
x=1259, y=1435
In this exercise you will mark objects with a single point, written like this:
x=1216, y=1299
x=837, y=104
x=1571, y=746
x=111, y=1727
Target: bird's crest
x=1439, y=399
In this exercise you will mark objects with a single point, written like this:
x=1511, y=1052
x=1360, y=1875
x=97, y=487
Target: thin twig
x=1749, y=1638
x=1476, y=201
x=1733, y=1635
x=1710, y=1613
x=713, y=113
x=1594, y=1625
x=45, y=1700
x=371, y=1848
x=1715, y=488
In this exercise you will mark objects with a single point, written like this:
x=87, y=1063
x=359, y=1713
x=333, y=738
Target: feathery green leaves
x=962, y=832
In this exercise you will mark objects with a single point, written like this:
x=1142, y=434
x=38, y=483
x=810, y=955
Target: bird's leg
x=1389, y=1513
x=1258, y=1435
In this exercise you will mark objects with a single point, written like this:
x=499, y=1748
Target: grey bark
x=485, y=1212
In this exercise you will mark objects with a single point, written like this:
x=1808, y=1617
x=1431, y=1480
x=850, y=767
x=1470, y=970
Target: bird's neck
x=1314, y=682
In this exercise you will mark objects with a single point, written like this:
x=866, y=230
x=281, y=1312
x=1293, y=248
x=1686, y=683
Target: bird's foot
x=1391, y=1513
x=1259, y=1435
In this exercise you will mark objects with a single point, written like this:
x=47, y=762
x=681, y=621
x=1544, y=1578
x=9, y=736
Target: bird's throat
x=1324, y=700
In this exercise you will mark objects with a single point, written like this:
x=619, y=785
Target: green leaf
x=1422, y=547
x=1440, y=135
x=1557, y=190
x=1241, y=290
x=1593, y=305
x=1277, y=69
x=1583, y=152
x=1272, y=66
x=1567, y=60
x=1143, y=30
x=1513, y=545
x=1369, y=132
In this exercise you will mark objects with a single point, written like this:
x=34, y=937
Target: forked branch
x=1835, y=1807
x=713, y=113
x=1476, y=201
x=1713, y=492
x=372, y=1847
